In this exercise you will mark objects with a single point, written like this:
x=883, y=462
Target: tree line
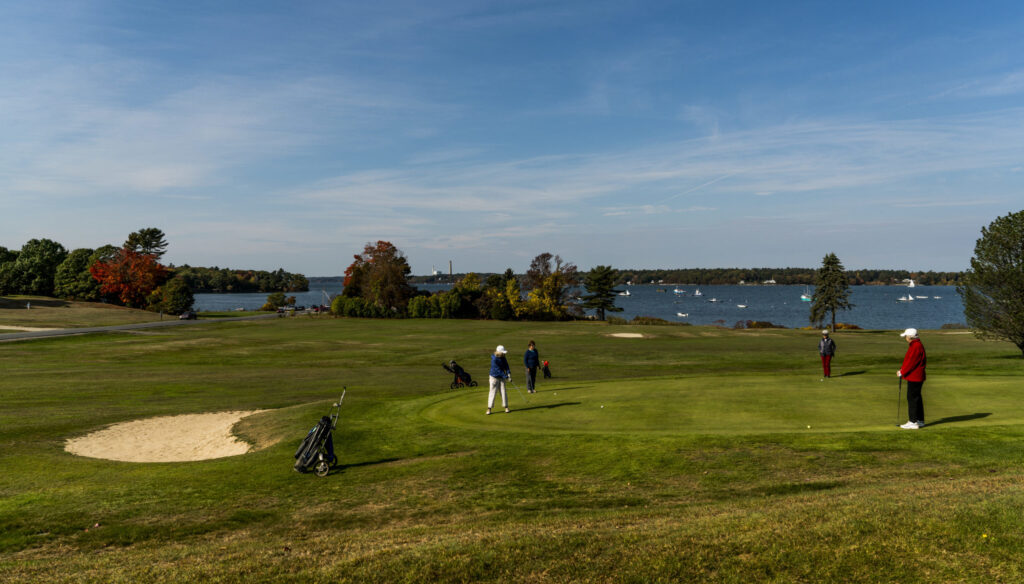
x=129, y=275
x=377, y=285
x=204, y=280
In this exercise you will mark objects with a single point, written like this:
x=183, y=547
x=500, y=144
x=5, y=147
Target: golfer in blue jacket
x=531, y=359
x=498, y=374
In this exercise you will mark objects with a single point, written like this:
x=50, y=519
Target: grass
x=55, y=313
x=699, y=467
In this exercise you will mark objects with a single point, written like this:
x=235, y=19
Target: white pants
x=497, y=384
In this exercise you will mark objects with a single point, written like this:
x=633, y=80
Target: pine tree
x=600, y=285
x=993, y=289
x=831, y=291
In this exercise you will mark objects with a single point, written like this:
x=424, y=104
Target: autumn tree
x=550, y=282
x=379, y=276
x=129, y=276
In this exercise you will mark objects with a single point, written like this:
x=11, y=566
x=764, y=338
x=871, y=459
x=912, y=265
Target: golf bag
x=546, y=370
x=461, y=378
x=316, y=452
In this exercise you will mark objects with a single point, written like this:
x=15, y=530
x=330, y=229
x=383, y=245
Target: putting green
x=744, y=404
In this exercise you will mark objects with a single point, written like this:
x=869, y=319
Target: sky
x=648, y=134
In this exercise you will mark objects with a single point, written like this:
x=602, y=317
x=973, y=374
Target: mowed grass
x=699, y=467
x=41, y=312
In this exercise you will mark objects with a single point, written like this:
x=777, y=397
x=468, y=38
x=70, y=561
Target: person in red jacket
x=913, y=371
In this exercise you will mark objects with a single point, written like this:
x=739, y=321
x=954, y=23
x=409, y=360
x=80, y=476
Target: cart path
x=123, y=327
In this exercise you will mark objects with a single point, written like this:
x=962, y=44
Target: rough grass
x=699, y=467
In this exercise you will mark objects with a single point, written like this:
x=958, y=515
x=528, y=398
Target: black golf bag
x=547, y=371
x=316, y=452
x=461, y=378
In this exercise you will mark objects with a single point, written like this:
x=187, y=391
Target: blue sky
x=634, y=134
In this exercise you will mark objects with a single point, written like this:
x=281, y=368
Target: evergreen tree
x=149, y=240
x=993, y=289
x=601, y=292
x=831, y=291
x=73, y=280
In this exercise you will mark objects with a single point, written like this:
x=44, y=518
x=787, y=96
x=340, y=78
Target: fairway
x=742, y=404
x=698, y=467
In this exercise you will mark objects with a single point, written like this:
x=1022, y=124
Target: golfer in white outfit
x=499, y=373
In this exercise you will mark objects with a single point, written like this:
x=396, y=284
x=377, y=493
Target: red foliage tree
x=379, y=275
x=130, y=276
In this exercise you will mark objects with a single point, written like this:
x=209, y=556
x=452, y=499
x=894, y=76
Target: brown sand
x=167, y=439
x=627, y=335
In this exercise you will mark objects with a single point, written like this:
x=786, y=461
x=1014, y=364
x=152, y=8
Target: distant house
x=769, y=282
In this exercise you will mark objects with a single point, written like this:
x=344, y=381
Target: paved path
x=122, y=327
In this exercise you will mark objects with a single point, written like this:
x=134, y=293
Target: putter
x=899, y=398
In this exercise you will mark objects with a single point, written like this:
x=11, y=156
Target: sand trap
x=627, y=335
x=26, y=329
x=168, y=439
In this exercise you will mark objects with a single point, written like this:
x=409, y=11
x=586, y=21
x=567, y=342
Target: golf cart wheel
x=453, y=385
x=473, y=384
x=322, y=468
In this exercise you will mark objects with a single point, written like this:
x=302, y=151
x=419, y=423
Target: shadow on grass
x=37, y=302
x=964, y=418
x=547, y=406
x=342, y=467
x=849, y=373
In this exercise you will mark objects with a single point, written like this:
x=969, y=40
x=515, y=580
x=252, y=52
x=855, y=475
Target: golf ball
x=808, y=427
x=602, y=407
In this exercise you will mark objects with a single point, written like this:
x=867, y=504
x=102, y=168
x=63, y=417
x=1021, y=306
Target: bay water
x=875, y=307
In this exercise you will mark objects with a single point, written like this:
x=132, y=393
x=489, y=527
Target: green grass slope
x=698, y=467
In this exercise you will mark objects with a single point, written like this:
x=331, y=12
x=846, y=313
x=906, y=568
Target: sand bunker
x=168, y=439
x=627, y=335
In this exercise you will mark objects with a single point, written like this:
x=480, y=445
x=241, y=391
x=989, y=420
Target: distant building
x=769, y=282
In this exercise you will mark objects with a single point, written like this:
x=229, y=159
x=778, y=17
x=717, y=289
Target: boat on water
x=911, y=284
x=624, y=293
x=806, y=296
x=697, y=292
x=712, y=300
x=921, y=297
x=679, y=291
x=937, y=297
x=906, y=298
x=741, y=306
x=682, y=314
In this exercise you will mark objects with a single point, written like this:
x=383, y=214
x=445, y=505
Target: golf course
x=671, y=454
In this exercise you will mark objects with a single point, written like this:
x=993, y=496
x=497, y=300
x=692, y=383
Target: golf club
x=526, y=399
x=899, y=398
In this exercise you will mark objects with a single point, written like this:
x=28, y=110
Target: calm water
x=877, y=307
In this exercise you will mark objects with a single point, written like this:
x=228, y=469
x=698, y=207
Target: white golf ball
x=602, y=407
x=808, y=427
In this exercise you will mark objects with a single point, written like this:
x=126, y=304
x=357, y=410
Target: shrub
x=954, y=326
x=616, y=320
x=761, y=324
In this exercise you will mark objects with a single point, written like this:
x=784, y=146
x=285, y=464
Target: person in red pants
x=827, y=349
x=913, y=371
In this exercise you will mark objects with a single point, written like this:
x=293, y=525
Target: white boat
x=679, y=291
x=806, y=296
x=626, y=293
x=920, y=297
x=741, y=306
x=697, y=292
x=937, y=297
x=712, y=300
x=905, y=299
x=682, y=314
x=911, y=284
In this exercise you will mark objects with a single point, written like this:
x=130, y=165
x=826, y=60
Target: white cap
x=910, y=333
x=824, y=332
x=501, y=349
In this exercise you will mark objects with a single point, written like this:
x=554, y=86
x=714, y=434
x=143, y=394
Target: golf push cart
x=316, y=452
